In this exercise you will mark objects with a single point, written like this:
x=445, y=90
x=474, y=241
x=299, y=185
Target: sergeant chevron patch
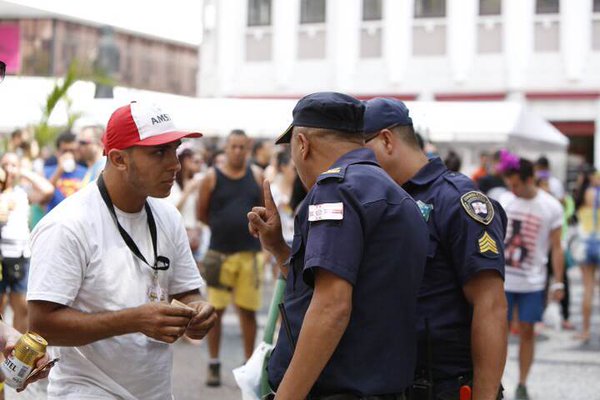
x=488, y=245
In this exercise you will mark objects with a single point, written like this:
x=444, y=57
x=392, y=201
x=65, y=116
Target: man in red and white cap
x=107, y=262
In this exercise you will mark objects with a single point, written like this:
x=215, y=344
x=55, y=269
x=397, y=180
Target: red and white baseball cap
x=140, y=124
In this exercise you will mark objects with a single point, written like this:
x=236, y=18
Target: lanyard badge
x=161, y=263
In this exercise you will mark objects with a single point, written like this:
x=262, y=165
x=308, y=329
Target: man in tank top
x=226, y=195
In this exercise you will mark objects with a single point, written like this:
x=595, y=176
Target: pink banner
x=10, y=47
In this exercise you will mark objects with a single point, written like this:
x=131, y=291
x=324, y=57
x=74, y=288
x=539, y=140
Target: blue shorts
x=18, y=286
x=592, y=250
x=530, y=305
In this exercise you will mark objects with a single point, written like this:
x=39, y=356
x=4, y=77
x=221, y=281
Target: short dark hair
x=525, y=170
x=258, y=144
x=409, y=136
x=65, y=137
x=453, y=161
x=237, y=132
x=283, y=158
x=337, y=135
x=420, y=140
x=213, y=158
x=543, y=162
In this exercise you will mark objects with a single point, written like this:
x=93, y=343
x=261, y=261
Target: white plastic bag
x=552, y=317
x=248, y=375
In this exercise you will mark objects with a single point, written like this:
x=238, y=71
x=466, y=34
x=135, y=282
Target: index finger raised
x=269, y=202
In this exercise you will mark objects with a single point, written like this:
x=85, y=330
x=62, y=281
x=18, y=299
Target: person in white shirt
x=534, y=229
x=20, y=187
x=106, y=262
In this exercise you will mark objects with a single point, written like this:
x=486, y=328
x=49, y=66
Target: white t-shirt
x=527, y=243
x=14, y=240
x=188, y=211
x=286, y=214
x=556, y=187
x=80, y=260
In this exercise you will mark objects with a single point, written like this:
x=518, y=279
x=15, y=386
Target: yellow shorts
x=243, y=271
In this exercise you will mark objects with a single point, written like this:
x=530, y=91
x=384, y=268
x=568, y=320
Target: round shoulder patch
x=478, y=207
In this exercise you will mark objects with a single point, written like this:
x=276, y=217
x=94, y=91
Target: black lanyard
x=160, y=263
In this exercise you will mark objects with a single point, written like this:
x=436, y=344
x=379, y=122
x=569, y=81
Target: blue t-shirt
x=466, y=232
x=379, y=246
x=67, y=184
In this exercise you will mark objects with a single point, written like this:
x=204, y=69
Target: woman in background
x=589, y=230
x=184, y=194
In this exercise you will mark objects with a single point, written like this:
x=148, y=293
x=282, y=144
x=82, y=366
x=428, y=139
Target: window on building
x=312, y=11
x=259, y=12
x=430, y=8
x=547, y=6
x=372, y=10
x=597, y=6
x=490, y=7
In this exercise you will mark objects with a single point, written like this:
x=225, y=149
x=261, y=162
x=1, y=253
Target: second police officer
x=356, y=263
x=462, y=326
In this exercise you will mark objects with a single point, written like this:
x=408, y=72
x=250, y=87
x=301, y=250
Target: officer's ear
x=303, y=145
x=387, y=139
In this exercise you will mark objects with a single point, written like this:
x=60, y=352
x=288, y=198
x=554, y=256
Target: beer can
x=17, y=367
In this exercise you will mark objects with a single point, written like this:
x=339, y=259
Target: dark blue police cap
x=382, y=113
x=326, y=110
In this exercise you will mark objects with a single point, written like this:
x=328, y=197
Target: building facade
x=46, y=45
x=544, y=53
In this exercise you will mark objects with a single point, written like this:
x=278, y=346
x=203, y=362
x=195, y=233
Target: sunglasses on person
x=2, y=70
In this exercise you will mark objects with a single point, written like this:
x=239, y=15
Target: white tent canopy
x=22, y=99
x=482, y=122
x=467, y=127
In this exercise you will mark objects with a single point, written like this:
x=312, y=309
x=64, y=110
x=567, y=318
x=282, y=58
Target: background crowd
x=34, y=180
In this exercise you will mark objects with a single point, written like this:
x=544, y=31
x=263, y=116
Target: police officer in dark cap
x=462, y=325
x=355, y=264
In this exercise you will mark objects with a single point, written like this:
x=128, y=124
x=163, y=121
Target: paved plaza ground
x=564, y=369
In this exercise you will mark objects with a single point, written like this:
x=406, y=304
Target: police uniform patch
x=478, y=206
x=326, y=211
x=487, y=245
x=425, y=209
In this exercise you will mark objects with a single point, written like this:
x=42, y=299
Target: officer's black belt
x=355, y=397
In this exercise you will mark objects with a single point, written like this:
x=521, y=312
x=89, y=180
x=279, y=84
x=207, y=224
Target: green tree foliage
x=46, y=133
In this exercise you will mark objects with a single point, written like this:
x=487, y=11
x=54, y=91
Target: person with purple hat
x=353, y=269
x=461, y=306
x=107, y=264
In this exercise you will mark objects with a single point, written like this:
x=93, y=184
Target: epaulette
x=459, y=181
x=333, y=173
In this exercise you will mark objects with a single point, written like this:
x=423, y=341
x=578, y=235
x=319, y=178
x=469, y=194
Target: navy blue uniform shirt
x=379, y=246
x=464, y=240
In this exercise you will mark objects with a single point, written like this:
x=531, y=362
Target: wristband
x=557, y=286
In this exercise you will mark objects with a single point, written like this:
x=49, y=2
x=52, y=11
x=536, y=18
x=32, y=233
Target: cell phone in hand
x=43, y=367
